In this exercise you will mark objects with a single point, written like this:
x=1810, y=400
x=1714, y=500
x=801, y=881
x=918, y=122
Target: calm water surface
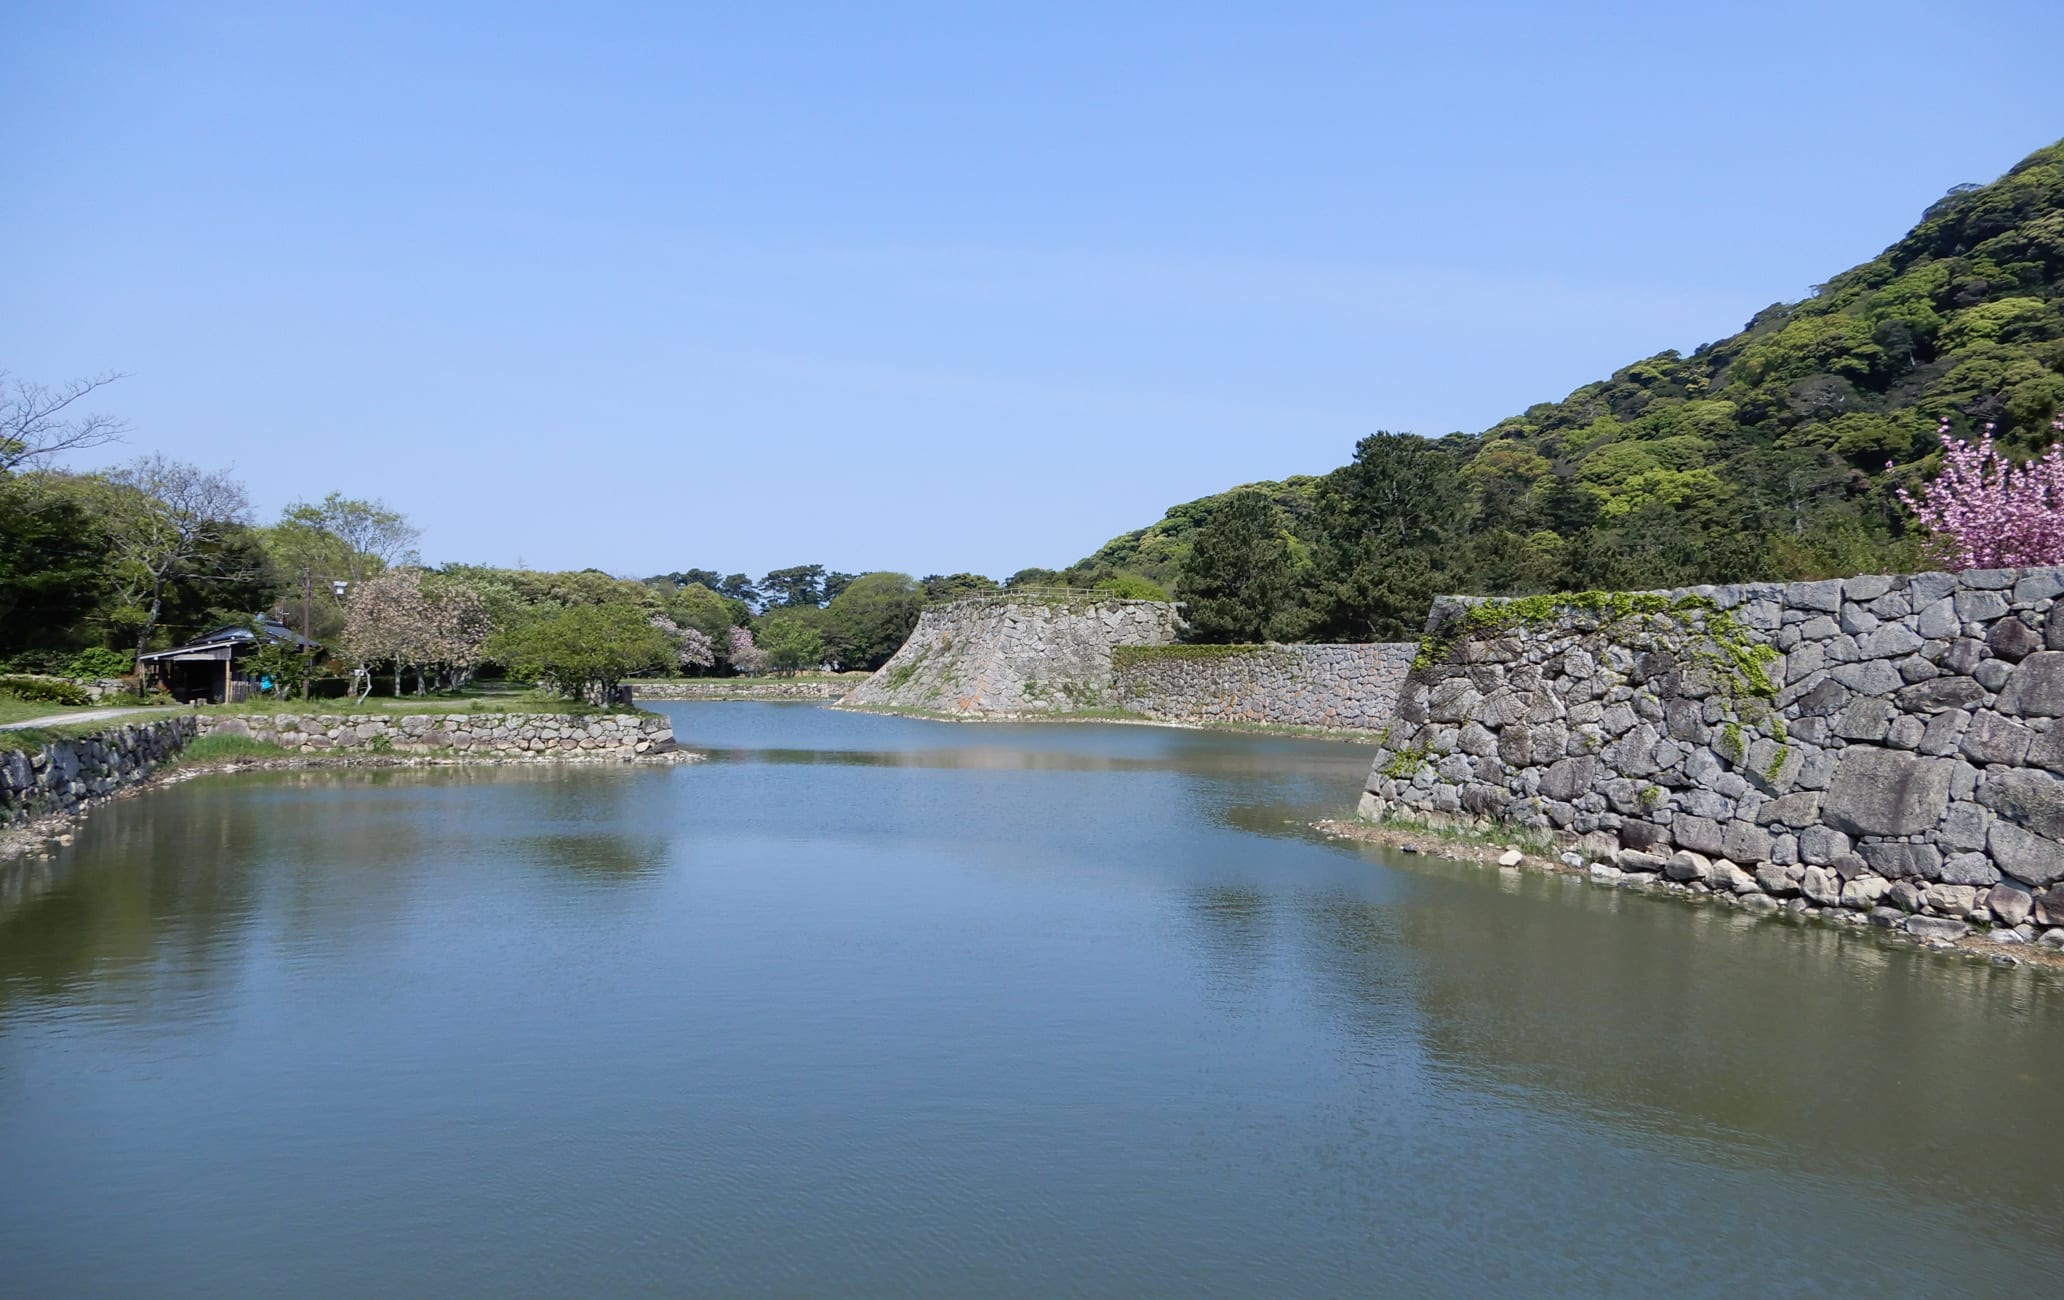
x=878, y=1007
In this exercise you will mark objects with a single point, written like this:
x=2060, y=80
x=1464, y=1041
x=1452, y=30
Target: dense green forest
x=1762, y=456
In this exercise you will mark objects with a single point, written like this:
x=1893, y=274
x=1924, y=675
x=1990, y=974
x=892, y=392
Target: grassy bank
x=30, y=739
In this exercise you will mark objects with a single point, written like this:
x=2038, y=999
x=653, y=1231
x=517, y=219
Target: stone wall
x=576, y=736
x=66, y=775
x=1009, y=655
x=1339, y=687
x=1889, y=745
x=724, y=688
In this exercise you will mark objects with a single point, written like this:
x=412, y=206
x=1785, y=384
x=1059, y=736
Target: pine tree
x=1237, y=583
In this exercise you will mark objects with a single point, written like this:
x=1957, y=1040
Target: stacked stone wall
x=561, y=736
x=721, y=688
x=1889, y=746
x=1004, y=655
x=67, y=775
x=1337, y=687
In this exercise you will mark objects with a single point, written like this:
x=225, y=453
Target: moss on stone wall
x=1691, y=625
x=1140, y=656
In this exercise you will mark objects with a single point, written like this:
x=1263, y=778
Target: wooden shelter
x=206, y=670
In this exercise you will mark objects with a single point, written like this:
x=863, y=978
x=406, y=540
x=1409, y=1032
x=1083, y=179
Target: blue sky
x=928, y=287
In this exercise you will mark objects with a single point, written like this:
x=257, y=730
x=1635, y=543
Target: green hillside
x=1762, y=455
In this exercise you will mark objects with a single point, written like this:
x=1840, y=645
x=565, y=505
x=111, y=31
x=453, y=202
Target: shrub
x=45, y=690
x=99, y=662
x=1131, y=586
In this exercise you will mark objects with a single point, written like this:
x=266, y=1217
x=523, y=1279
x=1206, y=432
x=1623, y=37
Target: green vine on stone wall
x=1405, y=763
x=1740, y=662
x=1693, y=628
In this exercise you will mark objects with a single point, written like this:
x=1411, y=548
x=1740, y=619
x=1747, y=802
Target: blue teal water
x=877, y=1007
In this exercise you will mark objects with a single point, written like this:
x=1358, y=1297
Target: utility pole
x=307, y=595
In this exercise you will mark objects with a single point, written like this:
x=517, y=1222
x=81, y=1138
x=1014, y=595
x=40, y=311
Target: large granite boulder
x=1886, y=792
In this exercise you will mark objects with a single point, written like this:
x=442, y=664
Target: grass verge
x=1487, y=837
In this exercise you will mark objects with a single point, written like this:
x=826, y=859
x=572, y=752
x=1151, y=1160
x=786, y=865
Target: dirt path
x=83, y=715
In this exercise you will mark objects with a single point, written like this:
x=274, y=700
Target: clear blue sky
x=929, y=287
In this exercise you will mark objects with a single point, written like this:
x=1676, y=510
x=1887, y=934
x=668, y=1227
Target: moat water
x=879, y=1007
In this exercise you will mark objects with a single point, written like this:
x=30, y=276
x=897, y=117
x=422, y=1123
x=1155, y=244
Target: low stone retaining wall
x=66, y=775
x=717, y=688
x=1890, y=745
x=1007, y=654
x=1338, y=687
x=597, y=737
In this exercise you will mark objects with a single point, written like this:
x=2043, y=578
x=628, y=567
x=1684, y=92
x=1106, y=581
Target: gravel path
x=87, y=715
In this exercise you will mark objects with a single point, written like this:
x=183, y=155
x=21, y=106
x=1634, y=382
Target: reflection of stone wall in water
x=1905, y=752
x=1339, y=687
x=62, y=776
x=1011, y=654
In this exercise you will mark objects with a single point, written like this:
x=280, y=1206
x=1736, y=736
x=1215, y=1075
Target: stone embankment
x=1881, y=748
x=1335, y=687
x=607, y=737
x=68, y=775
x=1004, y=655
x=718, y=688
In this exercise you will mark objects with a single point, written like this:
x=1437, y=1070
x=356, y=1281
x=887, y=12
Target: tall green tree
x=869, y=621
x=1401, y=489
x=798, y=587
x=954, y=586
x=585, y=651
x=53, y=571
x=1237, y=583
x=791, y=641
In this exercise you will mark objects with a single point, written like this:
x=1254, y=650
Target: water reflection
x=159, y=892
x=880, y=1007
x=1783, y=1042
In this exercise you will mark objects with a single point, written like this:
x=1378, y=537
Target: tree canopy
x=1775, y=453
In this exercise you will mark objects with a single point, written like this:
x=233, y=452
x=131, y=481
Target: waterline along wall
x=1336, y=687
x=66, y=775
x=1010, y=654
x=1870, y=743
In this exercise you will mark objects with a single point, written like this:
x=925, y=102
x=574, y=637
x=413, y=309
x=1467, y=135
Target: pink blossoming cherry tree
x=1989, y=513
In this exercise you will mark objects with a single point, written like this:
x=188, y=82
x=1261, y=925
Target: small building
x=206, y=670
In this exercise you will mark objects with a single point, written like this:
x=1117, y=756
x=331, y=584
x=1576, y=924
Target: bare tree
x=166, y=516
x=38, y=422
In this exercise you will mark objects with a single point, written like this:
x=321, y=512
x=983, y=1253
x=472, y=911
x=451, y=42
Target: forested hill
x=1762, y=455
